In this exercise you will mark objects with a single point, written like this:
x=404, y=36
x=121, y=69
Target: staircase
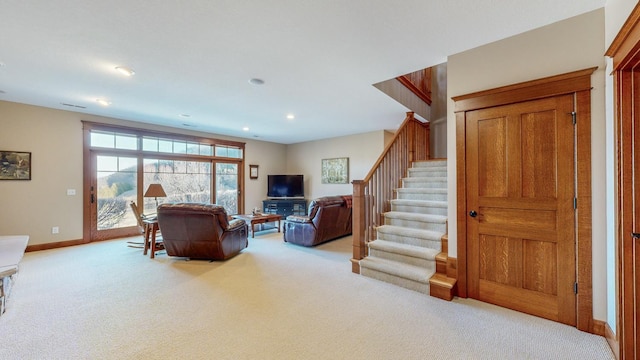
x=406, y=247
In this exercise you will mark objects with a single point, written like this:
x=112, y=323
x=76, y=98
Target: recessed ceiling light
x=125, y=70
x=290, y=116
x=103, y=102
x=246, y=128
x=256, y=81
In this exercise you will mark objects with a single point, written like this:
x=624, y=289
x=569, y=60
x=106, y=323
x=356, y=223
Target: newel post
x=358, y=225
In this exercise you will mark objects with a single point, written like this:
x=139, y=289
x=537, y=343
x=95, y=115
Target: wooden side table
x=151, y=227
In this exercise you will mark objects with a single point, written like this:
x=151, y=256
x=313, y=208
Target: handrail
x=372, y=196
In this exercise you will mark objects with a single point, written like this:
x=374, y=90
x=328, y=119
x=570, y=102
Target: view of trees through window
x=189, y=180
x=183, y=181
x=117, y=186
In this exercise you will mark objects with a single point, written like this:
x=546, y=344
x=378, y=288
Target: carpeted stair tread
x=440, y=219
x=424, y=203
x=404, y=249
x=410, y=272
x=409, y=232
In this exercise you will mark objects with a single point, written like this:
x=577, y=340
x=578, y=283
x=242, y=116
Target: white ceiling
x=318, y=59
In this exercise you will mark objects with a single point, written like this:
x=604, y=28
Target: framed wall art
x=253, y=171
x=335, y=171
x=15, y=165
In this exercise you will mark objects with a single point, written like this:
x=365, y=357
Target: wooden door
x=520, y=205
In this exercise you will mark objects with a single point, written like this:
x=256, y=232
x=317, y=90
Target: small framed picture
x=15, y=165
x=253, y=171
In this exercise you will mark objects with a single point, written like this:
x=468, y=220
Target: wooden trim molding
x=530, y=90
x=611, y=340
x=579, y=84
x=461, y=213
x=599, y=327
x=55, y=245
x=621, y=46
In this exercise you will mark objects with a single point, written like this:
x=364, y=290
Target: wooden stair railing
x=419, y=83
x=372, y=196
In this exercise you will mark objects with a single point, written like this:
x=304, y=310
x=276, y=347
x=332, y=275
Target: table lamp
x=155, y=191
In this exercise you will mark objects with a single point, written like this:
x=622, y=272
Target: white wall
x=569, y=45
x=616, y=13
x=362, y=150
x=54, y=137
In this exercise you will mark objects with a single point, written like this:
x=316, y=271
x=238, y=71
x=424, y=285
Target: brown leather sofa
x=328, y=218
x=201, y=231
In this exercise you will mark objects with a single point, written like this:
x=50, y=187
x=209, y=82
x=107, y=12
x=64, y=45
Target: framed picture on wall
x=15, y=165
x=335, y=171
x=253, y=171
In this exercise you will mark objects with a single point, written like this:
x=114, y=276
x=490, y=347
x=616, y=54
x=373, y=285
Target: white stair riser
x=427, y=172
x=428, y=164
x=396, y=280
x=419, y=209
x=440, y=227
x=410, y=260
x=401, y=239
x=421, y=196
x=423, y=184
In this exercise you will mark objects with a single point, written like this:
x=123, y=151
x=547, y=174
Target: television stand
x=285, y=206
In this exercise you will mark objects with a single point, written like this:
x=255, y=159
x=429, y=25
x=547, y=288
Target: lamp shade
x=155, y=190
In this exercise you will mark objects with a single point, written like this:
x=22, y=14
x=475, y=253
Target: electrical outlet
x=55, y=230
x=71, y=191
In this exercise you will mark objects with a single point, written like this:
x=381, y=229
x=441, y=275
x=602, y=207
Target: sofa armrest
x=235, y=223
x=298, y=218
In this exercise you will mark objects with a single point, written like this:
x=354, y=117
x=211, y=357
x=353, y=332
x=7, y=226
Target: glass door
x=227, y=187
x=113, y=187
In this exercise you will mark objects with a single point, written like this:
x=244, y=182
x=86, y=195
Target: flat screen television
x=285, y=186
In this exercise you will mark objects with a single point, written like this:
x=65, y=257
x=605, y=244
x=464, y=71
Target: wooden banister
x=372, y=196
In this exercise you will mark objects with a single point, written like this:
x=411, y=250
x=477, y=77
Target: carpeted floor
x=273, y=301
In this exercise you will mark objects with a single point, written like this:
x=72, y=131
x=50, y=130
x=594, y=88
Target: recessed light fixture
x=246, y=128
x=125, y=70
x=256, y=81
x=291, y=116
x=103, y=102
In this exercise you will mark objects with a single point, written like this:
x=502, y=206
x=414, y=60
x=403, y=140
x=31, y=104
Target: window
x=128, y=160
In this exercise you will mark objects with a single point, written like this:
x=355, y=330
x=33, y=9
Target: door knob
x=473, y=213
x=635, y=235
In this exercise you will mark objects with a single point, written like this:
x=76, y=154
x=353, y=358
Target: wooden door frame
x=625, y=51
x=579, y=84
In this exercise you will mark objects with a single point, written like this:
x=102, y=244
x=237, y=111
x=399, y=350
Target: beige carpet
x=273, y=301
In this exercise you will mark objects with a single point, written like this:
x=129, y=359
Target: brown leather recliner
x=201, y=231
x=329, y=218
